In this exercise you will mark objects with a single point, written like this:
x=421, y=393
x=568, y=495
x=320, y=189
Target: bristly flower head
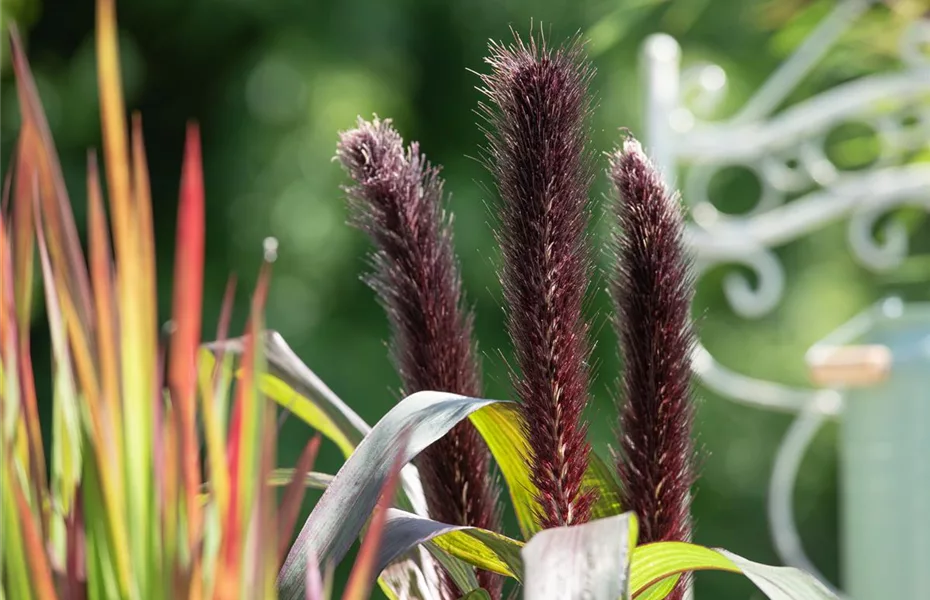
x=652, y=290
x=539, y=157
x=397, y=201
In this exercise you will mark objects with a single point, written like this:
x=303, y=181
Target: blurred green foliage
x=273, y=81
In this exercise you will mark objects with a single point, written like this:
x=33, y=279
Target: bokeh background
x=272, y=82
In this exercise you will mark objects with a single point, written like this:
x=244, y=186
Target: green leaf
x=296, y=388
x=478, y=547
x=501, y=426
x=582, y=561
x=478, y=594
x=14, y=567
x=600, y=476
x=346, y=504
x=462, y=573
x=313, y=480
x=660, y=590
x=651, y=563
x=654, y=563
x=781, y=583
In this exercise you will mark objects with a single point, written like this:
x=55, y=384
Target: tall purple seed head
x=652, y=290
x=538, y=153
x=396, y=200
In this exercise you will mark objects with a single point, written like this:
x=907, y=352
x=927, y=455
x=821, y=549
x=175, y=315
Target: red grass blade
x=25, y=198
x=101, y=272
x=7, y=184
x=40, y=571
x=294, y=496
x=36, y=143
x=244, y=405
x=188, y=304
x=222, y=326
x=75, y=555
x=360, y=580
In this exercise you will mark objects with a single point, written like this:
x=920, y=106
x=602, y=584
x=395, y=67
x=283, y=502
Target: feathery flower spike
x=652, y=290
x=397, y=202
x=539, y=157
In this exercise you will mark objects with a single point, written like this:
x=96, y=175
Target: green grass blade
x=16, y=576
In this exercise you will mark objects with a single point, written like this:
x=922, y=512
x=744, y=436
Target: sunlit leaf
x=344, y=507
x=652, y=563
x=481, y=548
x=501, y=427
x=582, y=561
x=359, y=585
x=478, y=594
x=296, y=388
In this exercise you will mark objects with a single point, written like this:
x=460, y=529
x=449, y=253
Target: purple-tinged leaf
x=344, y=507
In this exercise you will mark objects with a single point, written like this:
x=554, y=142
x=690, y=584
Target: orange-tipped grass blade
x=38, y=149
x=101, y=270
x=243, y=443
x=116, y=530
x=40, y=571
x=25, y=197
x=137, y=348
x=187, y=308
x=293, y=497
x=361, y=579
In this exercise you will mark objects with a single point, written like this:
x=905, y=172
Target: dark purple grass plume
x=652, y=290
x=539, y=157
x=397, y=201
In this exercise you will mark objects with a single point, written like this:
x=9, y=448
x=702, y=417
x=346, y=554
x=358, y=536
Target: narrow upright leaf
x=188, y=305
x=294, y=495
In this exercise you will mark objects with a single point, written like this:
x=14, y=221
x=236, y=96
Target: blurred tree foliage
x=273, y=81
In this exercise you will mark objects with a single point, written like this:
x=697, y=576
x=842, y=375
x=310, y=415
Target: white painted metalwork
x=785, y=149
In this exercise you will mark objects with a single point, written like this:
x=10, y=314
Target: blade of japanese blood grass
x=10, y=413
x=40, y=572
x=36, y=143
x=214, y=436
x=15, y=568
x=145, y=253
x=7, y=184
x=360, y=580
x=221, y=383
x=137, y=358
x=186, y=314
x=22, y=239
x=266, y=563
x=23, y=233
x=245, y=425
x=167, y=478
x=314, y=581
x=59, y=317
x=293, y=497
x=75, y=575
x=101, y=272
